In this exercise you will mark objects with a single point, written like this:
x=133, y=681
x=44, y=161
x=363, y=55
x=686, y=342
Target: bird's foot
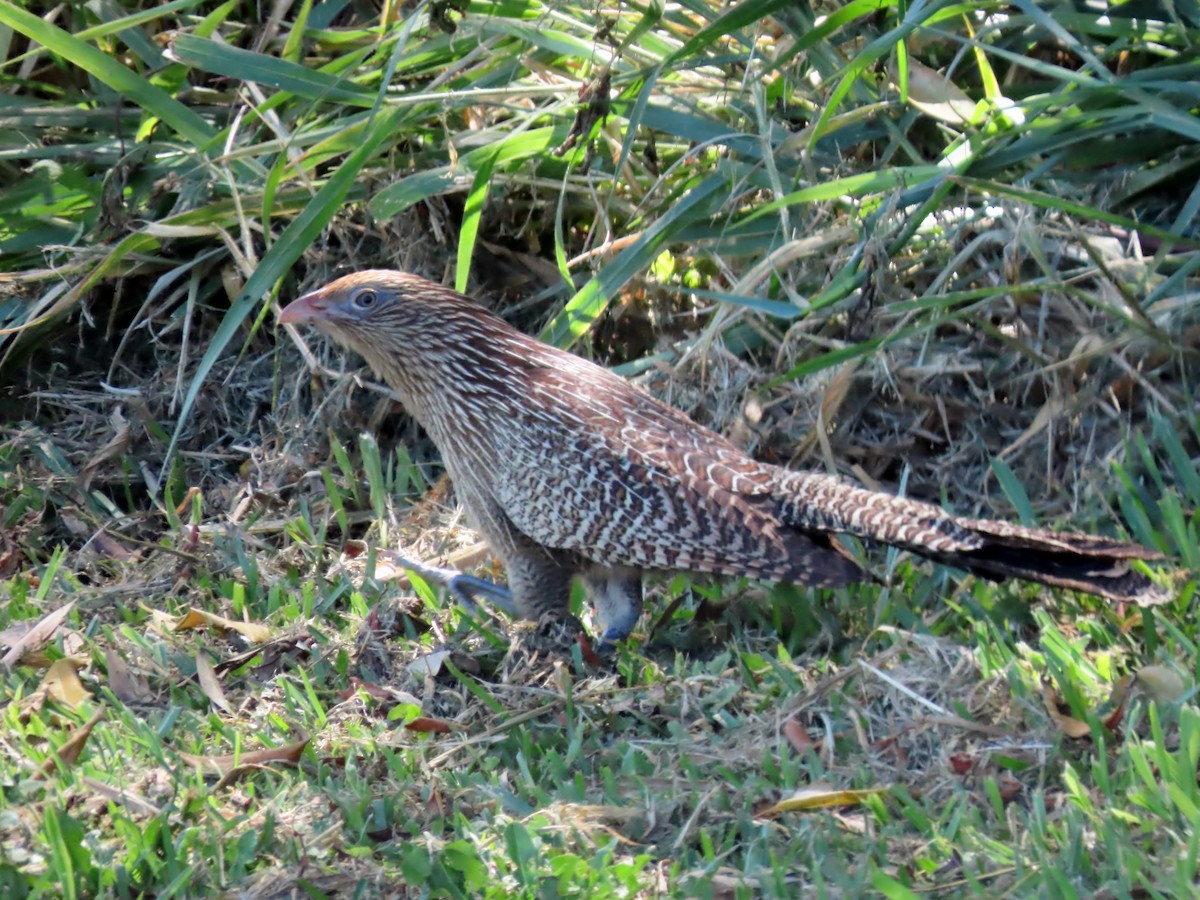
x=560, y=628
x=462, y=587
x=606, y=645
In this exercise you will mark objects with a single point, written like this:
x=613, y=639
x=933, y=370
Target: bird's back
x=602, y=469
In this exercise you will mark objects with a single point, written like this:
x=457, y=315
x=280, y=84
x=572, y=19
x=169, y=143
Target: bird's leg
x=462, y=587
x=617, y=595
x=541, y=587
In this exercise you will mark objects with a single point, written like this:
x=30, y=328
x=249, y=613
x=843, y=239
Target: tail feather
x=992, y=549
x=1063, y=559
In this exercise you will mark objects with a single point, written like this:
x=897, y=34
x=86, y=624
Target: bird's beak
x=309, y=308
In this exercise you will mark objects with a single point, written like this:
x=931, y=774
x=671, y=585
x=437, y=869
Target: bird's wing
x=624, y=480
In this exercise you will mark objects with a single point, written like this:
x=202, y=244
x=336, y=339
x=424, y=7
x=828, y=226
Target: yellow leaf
x=63, y=684
x=198, y=618
x=821, y=796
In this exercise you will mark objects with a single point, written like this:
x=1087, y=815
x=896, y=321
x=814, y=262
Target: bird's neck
x=467, y=387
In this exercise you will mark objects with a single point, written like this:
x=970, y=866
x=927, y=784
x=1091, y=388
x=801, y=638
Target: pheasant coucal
x=568, y=470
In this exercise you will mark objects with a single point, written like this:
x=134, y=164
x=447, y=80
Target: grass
x=947, y=247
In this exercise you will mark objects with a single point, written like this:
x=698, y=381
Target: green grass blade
x=131, y=86
x=278, y=261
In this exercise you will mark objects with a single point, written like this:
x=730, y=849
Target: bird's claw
x=462, y=587
x=606, y=645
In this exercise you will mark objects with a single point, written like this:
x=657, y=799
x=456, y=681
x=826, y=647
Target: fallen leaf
x=193, y=618
x=10, y=561
x=272, y=653
x=37, y=636
x=374, y=691
x=68, y=753
x=106, y=546
x=131, y=801
x=74, y=524
x=1120, y=693
x=1009, y=787
x=820, y=796
x=799, y=737
x=62, y=683
x=961, y=763
x=222, y=765
x=210, y=684
x=430, y=664
x=1069, y=726
x=426, y=725
x=125, y=685
x=198, y=618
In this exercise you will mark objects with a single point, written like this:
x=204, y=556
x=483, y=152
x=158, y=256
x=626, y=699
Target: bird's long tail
x=996, y=550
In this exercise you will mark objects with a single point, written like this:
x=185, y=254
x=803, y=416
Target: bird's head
x=365, y=302
x=403, y=325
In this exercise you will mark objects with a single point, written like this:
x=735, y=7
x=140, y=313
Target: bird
x=568, y=471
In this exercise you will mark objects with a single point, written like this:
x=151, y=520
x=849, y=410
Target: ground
x=217, y=684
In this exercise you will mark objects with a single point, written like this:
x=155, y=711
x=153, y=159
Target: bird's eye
x=365, y=299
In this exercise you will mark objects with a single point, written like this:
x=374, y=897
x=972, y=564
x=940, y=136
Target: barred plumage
x=568, y=470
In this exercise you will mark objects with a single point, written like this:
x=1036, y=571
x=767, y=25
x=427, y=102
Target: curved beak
x=310, y=308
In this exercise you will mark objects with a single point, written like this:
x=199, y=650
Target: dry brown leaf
x=353, y=549
x=13, y=633
x=62, y=683
x=820, y=796
x=106, y=546
x=36, y=659
x=223, y=765
x=1120, y=693
x=210, y=684
x=272, y=654
x=135, y=803
x=1009, y=787
x=74, y=524
x=198, y=618
x=68, y=753
x=1069, y=726
x=374, y=691
x=799, y=737
x=426, y=725
x=37, y=636
x=10, y=559
x=125, y=685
